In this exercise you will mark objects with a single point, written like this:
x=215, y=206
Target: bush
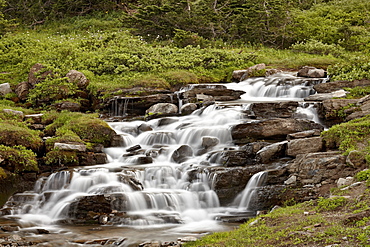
x=17, y=133
x=61, y=158
x=330, y=204
x=18, y=159
x=317, y=47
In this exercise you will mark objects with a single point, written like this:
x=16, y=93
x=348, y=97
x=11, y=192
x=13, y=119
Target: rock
x=314, y=168
x=240, y=75
x=188, y=108
x=8, y=228
x=78, y=78
x=356, y=159
x=311, y=72
x=200, y=92
x=274, y=110
x=162, y=108
x=326, y=96
x=67, y=105
x=133, y=148
x=304, y=134
x=271, y=129
x=363, y=109
x=14, y=112
x=304, y=146
x=291, y=180
x=22, y=90
x=231, y=158
x=35, y=118
x=166, y=121
x=70, y=147
x=329, y=109
x=272, y=152
x=182, y=154
x=89, y=208
x=144, y=127
x=344, y=181
x=209, y=142
x=5, y=89
x=329, y=87
x=36, y=76
x=270, y=72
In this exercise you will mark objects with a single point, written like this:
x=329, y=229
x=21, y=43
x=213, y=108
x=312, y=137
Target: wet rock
x=22, y=90
x=78, y=78
x=162, y=108
x=188, y=108
x=201, y=92
x=272, y=152
x=305, y=145
x=5, y=89
x=291, y=180
x=329, y=87
x=240, y=75
x=133, y=148
x=144, y=127
x=274, y=110
x=326, y=96
x=209, y=142
x=70, y=147
x=181, y=154
x=88, y=209
x=8, y=228
x=271, y=129
x=311, y=72
x=231, y=158
x=166, y=121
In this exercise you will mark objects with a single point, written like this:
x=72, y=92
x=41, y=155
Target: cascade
x=161, y=190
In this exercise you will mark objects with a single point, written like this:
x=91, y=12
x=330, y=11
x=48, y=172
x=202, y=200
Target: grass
x=322, y=222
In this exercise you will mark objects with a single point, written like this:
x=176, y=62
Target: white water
x=168, y=190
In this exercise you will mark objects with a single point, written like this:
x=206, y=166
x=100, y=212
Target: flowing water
x=162, y=192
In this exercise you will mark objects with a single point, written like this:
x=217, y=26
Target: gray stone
x=311, y=72
x=304, y=146
x=291, y=180
x=344, y=181
x=188, y=108
x=36, y=118
x=209, y=141
x=272, y=152
x=5, y=89
x=14, y=112
x=181, y=154
x=70, y=147
x=78, y=78
x=304, y=134
x=22, y=90
x=162, y=108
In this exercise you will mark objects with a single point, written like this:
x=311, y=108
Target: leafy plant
x=18, y=159
x=330, y=204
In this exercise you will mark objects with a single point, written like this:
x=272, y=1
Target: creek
x=160, y=184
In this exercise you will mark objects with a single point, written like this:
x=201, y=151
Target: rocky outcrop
x=240, y=75
x=325, y=96
x=272, y=152
x=271, y=129
x=320, y=168
x=273, y=110
x=332, y=111
x=330, y=87
x=304, y=146
x=311, y=72
x=361, y=110
x=199, y=92
x=78, y=78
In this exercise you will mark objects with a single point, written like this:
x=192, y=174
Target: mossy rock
x=59, y=158
x=66, y=136
x=14, y=133
x=18, y=159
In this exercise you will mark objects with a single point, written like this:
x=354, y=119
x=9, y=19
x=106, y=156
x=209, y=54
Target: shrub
x=18, y=159
x=317, y=47
x=61, y=158
x=17, y=133
x=330, y=204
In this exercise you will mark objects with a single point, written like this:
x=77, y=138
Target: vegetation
x=18, y=159
x=322, y=222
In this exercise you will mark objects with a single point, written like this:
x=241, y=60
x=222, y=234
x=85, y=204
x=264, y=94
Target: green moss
x=330, y=204
x=353, y=135
x=18, y=159
x=14, y=133
x=61, y=158
x=2, y=173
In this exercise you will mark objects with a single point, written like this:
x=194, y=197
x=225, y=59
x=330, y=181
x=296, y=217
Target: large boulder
x=78, y=78
x=188, y=108
x=270, y=129
x=305, y=145
x=22, y=90
x=5, y=89
x=273, y=110
x=201, y=92
x=329, y=109
x=311, y=72
x=182, y=153
x=272, y=152
x=329, y=87
x=318, y=168
x=162, y=108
